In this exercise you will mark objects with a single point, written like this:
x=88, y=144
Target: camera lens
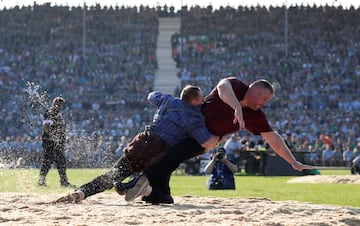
x=220, y=156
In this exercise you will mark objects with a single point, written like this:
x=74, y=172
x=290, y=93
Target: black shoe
x=41, y=183
x=140, y=189
x=157, y=199
x=137, y=187
x=121, y=188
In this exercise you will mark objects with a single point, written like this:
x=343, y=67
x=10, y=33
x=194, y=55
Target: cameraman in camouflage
x=53, y=143
x=222, y=171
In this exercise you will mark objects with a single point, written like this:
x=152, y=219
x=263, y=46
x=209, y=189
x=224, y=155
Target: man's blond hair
x=189, y=92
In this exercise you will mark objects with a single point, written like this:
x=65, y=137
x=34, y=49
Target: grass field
x=271, y=187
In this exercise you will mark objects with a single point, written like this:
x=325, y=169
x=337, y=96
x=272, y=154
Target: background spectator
x=222, y=171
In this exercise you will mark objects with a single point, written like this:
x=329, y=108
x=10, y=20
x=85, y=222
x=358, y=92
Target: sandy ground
x=326, y=179
x=110, y=209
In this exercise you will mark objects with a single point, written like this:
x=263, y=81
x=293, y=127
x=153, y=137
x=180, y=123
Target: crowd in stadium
x=105, y=83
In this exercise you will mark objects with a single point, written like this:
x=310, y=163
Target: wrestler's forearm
x=278, y=145
x=210, y=143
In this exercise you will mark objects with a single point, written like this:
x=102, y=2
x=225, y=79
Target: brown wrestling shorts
x=145, y=149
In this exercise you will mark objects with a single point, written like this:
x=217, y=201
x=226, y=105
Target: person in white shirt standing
x=233, y=148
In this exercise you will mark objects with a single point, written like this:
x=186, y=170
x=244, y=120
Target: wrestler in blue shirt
x=173, y=127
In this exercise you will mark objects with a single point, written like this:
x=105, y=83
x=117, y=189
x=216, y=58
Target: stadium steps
x=166, y=79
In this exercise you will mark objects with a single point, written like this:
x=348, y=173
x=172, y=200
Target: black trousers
x=159, y=173
x=145, y=149
x=52, y=152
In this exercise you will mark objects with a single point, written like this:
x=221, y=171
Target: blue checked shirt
x=175, y=120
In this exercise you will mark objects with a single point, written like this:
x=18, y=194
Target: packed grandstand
x=105, y=83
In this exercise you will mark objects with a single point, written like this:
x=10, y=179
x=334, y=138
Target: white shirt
x=232, y=147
